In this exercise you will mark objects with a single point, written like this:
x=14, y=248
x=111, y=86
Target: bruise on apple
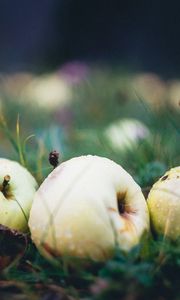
x=5, y=187
x=112, y=209
x=164, y=178
x=12, y=245
x=124, y=211
x=127, y=228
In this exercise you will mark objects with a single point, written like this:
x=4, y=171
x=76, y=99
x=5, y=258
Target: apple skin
x=164, y=204
x=75, y=210
x=16, y=204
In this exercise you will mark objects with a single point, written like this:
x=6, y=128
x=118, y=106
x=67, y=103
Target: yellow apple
x=17, y=189
x=164, y=204
x=86, y=207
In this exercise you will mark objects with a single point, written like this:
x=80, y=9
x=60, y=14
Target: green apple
x=164, y=204
x=86, y=207
x=17, y=189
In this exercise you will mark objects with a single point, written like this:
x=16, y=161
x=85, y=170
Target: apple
x=85, y=207
x=49, y=92
x=17, y=189
x=126, y=133
x=173, y=94
x=164, y=204
x=151, y=89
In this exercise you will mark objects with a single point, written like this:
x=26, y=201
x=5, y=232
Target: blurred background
x=91, y=77
x=37, y=35
x=99, y=77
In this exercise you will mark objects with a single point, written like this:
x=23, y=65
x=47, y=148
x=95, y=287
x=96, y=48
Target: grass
x=152, y=269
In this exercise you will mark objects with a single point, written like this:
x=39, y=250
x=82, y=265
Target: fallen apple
x=86, y=207
x=126, y=134
x=49, y=92
x=17, y=189
x=164, y=204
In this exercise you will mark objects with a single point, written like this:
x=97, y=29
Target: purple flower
x=74, y=72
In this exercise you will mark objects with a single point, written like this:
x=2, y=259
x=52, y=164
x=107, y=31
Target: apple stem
x=5, y=184
x=54, y=158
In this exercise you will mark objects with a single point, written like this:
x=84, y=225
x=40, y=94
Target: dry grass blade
x=19, y=145
x=7, y=132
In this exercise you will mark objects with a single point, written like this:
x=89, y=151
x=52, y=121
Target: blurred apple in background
x=17, y=188
x=151, y=89
x=126, y=134
x=174, y=94
x=86, y=207
x=13, y=84
x=48, y=91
